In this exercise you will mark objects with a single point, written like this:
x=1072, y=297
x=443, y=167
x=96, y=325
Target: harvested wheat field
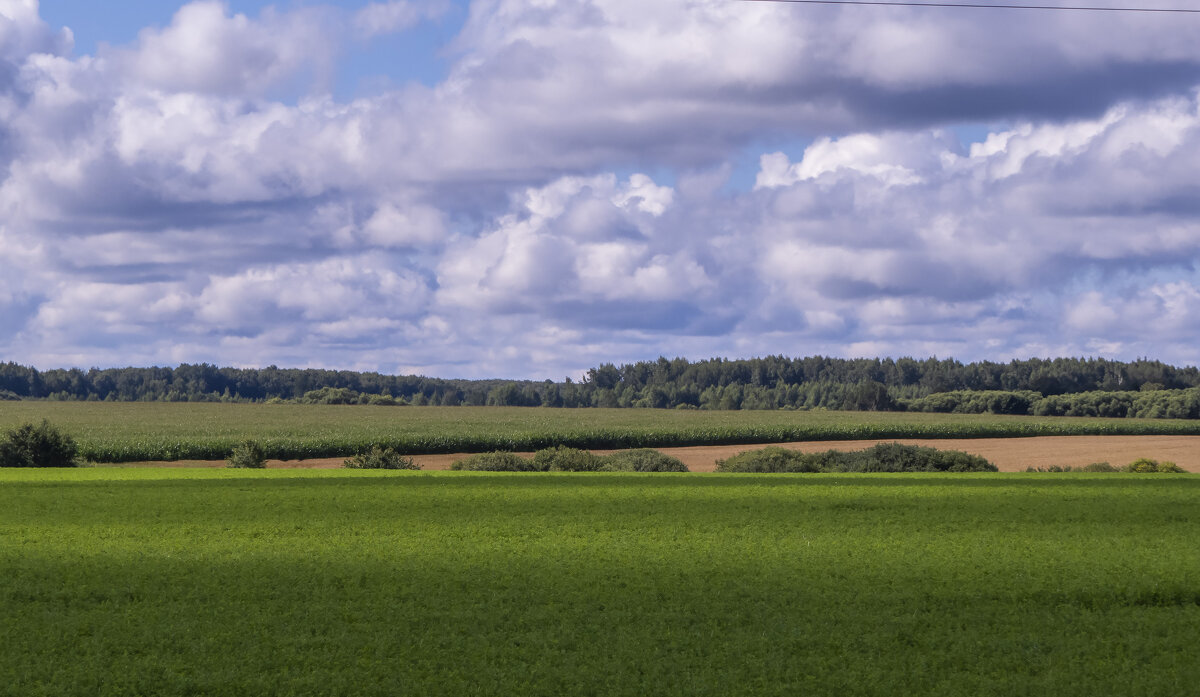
x=1009, y=454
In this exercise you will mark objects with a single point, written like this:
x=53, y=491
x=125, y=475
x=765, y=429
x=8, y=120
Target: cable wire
x=973, y=5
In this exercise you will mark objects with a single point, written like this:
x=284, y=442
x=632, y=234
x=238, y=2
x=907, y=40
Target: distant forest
x=1061, y=386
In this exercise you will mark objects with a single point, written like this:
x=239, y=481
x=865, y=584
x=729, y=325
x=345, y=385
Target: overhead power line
x=990, y=6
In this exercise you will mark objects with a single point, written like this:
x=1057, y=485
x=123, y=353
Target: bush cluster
x=563, y=459
x=642, y=460
x=1093, y=467
x=975, y=402
x=1142, y=465
x=882, y=457
x=1146, y=465
x=380, y=458
x=38, y=446
x=247, y=454
x=498, y=461
x=345, y=395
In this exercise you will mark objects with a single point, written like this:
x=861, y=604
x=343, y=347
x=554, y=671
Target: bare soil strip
x=1009, y=454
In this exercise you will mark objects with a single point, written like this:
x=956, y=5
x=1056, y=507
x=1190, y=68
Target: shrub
x=896, y=457
x=1093, y=467
x=882, y=457
x=642, y=460
x=331, y=395
x=830, y=461
x=380, y=458
x=38, y=446
x=247, y=454
x=563, y=459
x=1053, y=468
x=1142, y=465
x=771, y=459
x=499, y=461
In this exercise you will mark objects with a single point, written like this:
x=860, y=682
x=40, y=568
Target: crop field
x=138, y=431
x=236, y=582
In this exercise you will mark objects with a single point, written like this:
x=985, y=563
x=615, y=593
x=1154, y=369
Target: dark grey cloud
x=1057, y=94
x=657, y=316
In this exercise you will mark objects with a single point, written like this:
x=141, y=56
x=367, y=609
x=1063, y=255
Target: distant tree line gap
x=1051, y=387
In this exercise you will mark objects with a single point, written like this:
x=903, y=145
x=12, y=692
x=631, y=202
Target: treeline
x=208, y=383
x=920, y=377
x=1147, y=404
x=1063, y=386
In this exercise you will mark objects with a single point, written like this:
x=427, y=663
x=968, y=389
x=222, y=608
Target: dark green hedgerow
x=883, y=457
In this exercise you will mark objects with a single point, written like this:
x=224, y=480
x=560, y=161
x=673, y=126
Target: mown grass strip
x=228, y=582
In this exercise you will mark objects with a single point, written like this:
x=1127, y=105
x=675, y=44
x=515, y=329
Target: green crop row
x=130, y=432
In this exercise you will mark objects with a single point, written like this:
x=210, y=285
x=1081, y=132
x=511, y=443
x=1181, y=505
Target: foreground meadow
x=228, y=582
x=154, y=431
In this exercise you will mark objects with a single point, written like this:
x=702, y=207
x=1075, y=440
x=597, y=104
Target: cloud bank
x=569, y=193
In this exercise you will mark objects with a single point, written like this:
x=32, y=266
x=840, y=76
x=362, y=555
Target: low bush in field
x=380, y=458
x=1093, y=467
x=895, y=457
x=1146, y=465
x=1142, y=465
x=882, y=457
x=498, y=461
x=642, y=460
x=563, y=459
x=38, y=446
x=247, y=454
x=772, y=459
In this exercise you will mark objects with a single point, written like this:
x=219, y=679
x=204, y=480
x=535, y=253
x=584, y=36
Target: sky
x=529, y=188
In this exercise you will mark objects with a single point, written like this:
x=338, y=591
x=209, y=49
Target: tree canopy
x=1067, y=386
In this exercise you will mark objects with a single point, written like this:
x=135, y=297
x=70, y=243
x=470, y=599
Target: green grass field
x=235, y=582
x=136, y=431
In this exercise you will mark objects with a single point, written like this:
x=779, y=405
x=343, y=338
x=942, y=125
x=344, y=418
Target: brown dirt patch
x=1009, y=454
